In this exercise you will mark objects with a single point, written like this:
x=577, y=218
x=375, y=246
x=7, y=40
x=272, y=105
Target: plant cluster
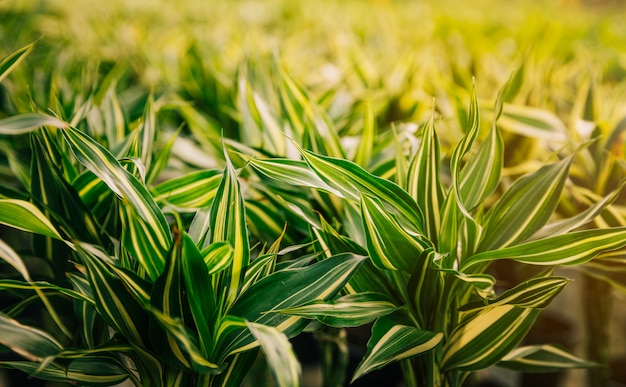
x=181, y=194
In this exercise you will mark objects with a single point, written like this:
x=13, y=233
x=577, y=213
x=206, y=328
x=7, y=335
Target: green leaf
x=87, y=371
x=389, y=246
x=393, y=339
x=27, y=122
x=424, y=183
x=351, y=310
x=367, y=138
x=115, y=303
x=199, y=292
x=147, y=233
x=284, y=289
x=29, y=342
x=191, y=191
x=568, y=249
x=542, y=358
x=8, y=255
x=25, y=216
x=487, y=337
x=10, y=61
x=280, y=357
x=533, y=122
x=525, y=207
x=352, y=181
x=227, y=219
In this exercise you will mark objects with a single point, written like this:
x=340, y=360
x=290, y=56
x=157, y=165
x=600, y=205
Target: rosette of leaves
x=430, y=245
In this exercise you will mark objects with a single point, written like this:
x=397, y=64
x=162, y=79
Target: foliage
x=186, y=186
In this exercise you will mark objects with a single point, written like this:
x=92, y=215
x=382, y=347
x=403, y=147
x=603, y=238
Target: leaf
x=10, y=61
x=284, y=289
x=88, y=371
x=227, y=219
x=147, y=233
x=29, y=342
x=352, y=181
x=25, y=216
x=281, y=359
x=525, y=207
x=8, y=255
x=27, y=122
x=200, y=295
x=542, y=358
x=568, y=249
x=389, y=246
x=424, y=183
x=217, y=256
x=191, y=191
x=487, y=337
x=393, y=339
x=533, y=122
x=367, y=138
x=114, y=302
x=351, y=310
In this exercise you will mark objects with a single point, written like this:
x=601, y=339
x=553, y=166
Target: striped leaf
x=426, y=290
x=147, y=233
x=394, y=338
x=23, y=215
x=351, y=310
x=525, y=207
x=424, y=183
x=87, y=371
x=168, y=298
x=533, y=122
x=487, y=337
x=352, y=181
x=284, y=289
x=608, y=268
x=227, y=219
x=568, y=249
x=281, y=359
x=291, y=172
x=27, y=122
x=199, y=292
x=117, y=306
x=388, y=245
x=8, y=255
x=542, y=358
x=10, y=61
x=480, y=176
x=217, y=256
x=189, y=192
x=363, y=156
x=29, y=342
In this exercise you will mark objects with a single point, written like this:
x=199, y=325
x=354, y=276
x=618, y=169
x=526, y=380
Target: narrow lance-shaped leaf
x=487, y=337
x=32, y=343
x=146, y=217
x=542, y=358
x=525, y=207
x=389, y=246
x=424, y=183
x=114, y=302
x=353, y=181
x=351, y=310
x=227, y=218
x=88, y=371
x=284, y=289
x=281, y=359
x=199, y=292
x=568, y=249
x=394, y=338
x=23, y=215
x=191, y=191
x=367, y=136
x=10, y=61
x=27, y=122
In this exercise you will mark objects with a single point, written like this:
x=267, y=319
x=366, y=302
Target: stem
x=597, y=310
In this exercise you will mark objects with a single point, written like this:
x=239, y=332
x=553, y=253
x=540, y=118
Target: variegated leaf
x=394, y=338
x=389, y=246
x=281, y=359
x=542, y=358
